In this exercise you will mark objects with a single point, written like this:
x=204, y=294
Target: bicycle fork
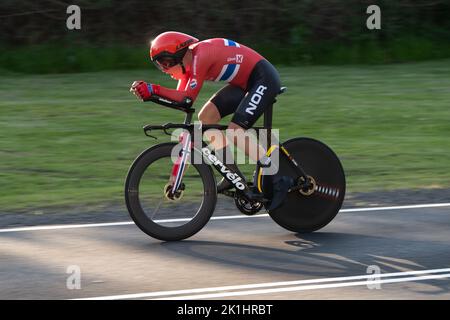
x=180, y=164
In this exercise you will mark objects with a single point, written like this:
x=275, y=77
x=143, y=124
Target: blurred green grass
x=68, y=140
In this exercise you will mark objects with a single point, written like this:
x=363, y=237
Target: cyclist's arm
x=182, y=97
x=188, y=87
x=182, y=83
x=190, y=91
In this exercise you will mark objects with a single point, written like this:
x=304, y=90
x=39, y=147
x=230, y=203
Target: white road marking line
x=112, y=224
x=414, y=206
x=268, y=284
x=65, y=226
x=303, y=288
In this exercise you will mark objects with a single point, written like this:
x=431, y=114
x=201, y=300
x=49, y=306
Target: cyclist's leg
x=264, y=85
x=209, y=113
x=222, y=103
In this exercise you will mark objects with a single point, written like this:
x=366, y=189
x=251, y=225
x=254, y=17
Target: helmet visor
x=165, y=63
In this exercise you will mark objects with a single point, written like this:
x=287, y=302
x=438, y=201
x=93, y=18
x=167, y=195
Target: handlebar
x=167, y=126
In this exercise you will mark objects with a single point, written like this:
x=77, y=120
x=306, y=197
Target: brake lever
x=166, y=127
x=149, y=135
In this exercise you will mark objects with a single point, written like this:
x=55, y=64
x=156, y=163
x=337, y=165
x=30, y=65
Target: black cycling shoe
x=281, y=186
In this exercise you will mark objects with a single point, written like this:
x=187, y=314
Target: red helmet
x=169, y=48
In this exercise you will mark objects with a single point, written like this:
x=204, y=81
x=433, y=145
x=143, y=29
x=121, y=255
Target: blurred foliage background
x=115, y=34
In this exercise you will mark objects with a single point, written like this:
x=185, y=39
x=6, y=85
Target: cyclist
x=252, y=85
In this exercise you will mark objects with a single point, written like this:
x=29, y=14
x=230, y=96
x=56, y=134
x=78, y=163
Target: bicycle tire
x=137, y=213
x=304, y=214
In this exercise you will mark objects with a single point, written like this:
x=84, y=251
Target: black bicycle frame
x=233, y=177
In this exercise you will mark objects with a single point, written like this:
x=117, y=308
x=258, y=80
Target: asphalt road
x=251, y=254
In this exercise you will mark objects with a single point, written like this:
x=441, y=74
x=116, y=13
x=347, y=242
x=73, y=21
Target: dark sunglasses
x=165, y=63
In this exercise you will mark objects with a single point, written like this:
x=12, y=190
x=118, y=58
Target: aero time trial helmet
x=169, y=48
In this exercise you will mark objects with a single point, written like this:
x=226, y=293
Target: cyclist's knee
x=209, y=114
x=235, y=131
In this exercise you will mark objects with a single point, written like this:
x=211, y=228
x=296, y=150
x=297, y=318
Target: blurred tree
x=303, y=30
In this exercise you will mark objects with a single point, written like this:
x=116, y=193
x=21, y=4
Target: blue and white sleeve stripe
x=228, y=72
x=231, y=43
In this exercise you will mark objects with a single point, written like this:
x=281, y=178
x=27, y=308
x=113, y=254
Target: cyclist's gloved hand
x=142, y=90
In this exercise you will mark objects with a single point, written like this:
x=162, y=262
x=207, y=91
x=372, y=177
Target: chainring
x=246, y=206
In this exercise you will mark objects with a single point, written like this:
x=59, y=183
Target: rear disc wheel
x=310, y=209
